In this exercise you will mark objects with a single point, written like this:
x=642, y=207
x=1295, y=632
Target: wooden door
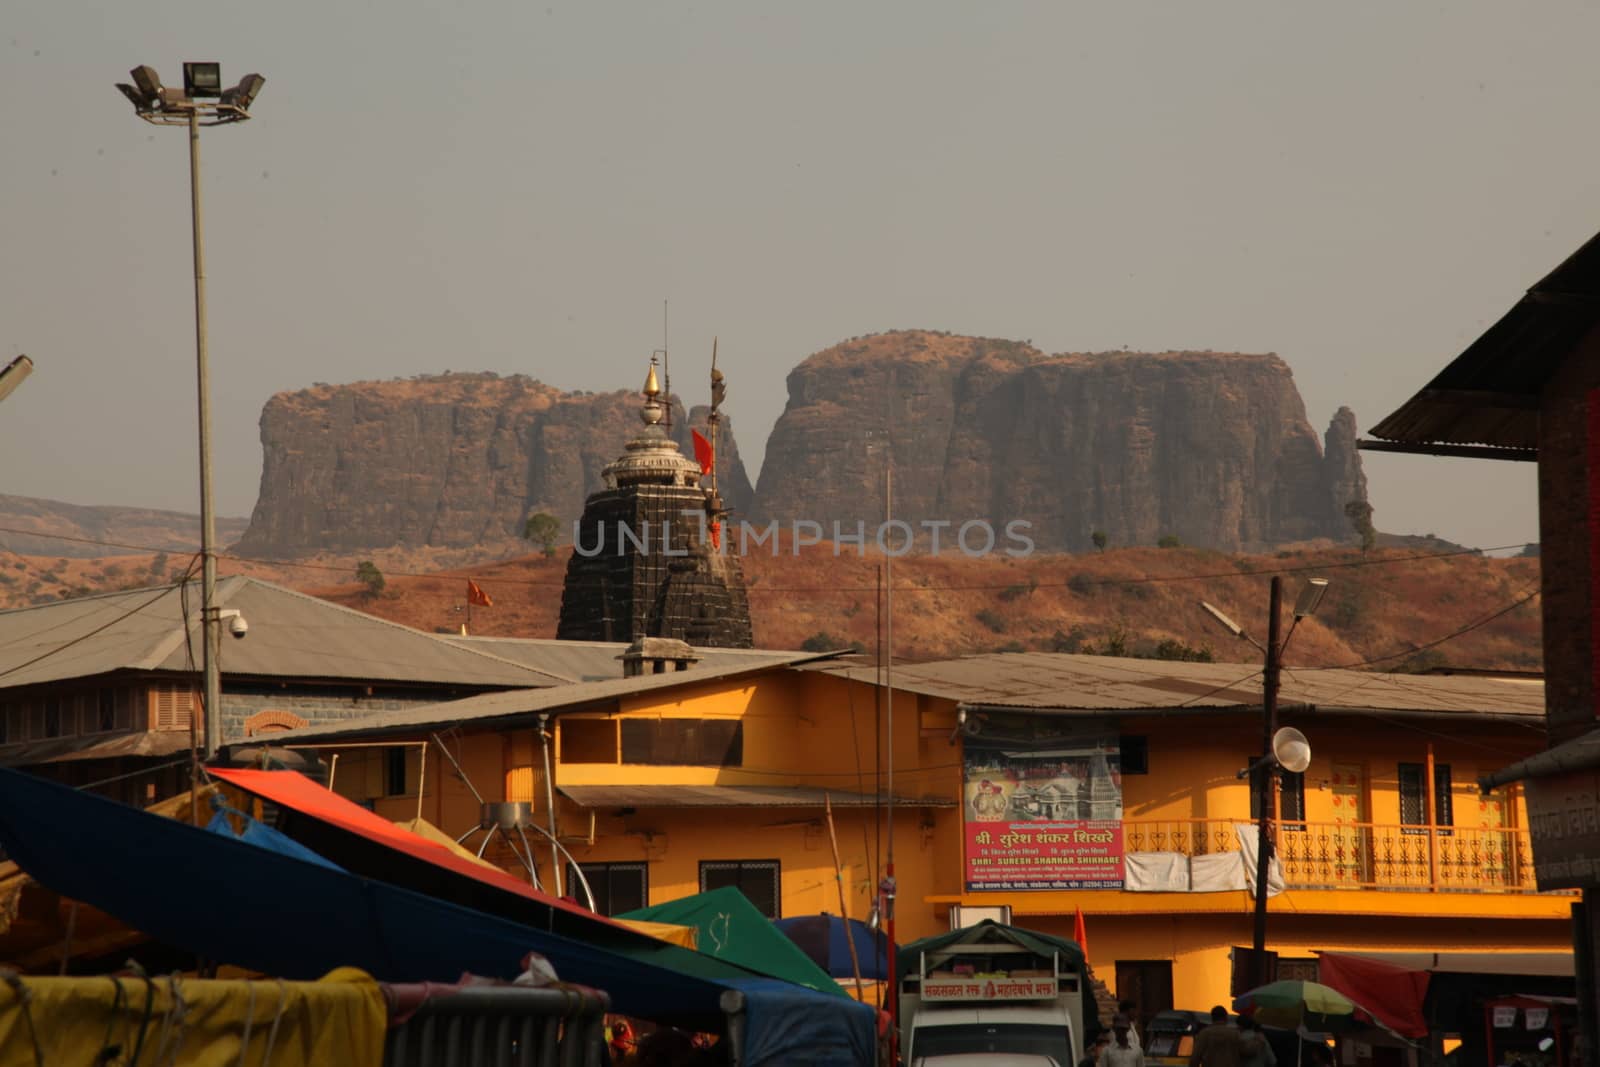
x=1350, y=846
x=1148, y=983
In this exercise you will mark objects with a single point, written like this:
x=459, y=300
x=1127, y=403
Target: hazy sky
x=1359, y=187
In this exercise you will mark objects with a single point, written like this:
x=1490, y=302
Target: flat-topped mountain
x=1211, y=448
x=449, y=460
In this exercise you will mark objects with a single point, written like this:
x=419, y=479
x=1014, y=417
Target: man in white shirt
x=1121, y=1052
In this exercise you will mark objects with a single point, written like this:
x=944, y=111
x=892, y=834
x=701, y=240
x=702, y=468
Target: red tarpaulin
x=296, y=792
x=1393, y=995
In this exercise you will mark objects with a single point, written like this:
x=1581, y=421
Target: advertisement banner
x=1043, y=818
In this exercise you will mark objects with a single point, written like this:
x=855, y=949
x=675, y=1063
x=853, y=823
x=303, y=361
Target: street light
x=12, y=374
x=1287, y=747
x=201, y=102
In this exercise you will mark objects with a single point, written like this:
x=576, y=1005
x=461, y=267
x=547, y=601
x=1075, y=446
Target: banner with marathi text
x=1043, y=819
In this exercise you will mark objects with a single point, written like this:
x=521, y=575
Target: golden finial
x=652, y=385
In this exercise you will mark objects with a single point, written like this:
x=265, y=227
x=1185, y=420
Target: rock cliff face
x=453, y=460
x=1212, y=448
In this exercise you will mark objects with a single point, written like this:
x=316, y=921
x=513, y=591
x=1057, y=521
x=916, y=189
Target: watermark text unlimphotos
x=974, y=538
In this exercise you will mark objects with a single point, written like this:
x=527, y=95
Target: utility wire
x=1414, y=649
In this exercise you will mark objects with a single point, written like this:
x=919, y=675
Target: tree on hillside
x=1359, y=512
x=368, y=574
x=1099, y=539
x=543, y=528
x=1169, y=541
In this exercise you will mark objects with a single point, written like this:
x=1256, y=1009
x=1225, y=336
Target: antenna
x=666, y=365
x=718, y=391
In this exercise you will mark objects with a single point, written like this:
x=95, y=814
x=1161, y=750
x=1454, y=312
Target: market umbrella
x=1308, y=1006
x=823, y=938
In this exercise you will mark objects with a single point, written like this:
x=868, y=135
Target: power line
x=1414, y=649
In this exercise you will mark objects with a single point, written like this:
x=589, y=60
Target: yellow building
x=669, y=783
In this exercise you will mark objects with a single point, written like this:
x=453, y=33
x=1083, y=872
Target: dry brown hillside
x=1383, y=606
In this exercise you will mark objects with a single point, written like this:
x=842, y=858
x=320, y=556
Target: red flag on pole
x=702, y=452
x=1080, y=932
x=477, y=596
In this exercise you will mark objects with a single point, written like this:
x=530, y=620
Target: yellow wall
x=811, y=730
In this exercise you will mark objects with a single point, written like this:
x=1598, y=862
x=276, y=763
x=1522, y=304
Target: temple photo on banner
x=1041, y=811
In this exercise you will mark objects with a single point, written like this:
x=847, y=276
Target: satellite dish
x=1291, y=749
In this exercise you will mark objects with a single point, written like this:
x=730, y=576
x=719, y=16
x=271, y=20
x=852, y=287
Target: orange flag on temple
x=702, y=452
x=1080, y=932
x=477, y=596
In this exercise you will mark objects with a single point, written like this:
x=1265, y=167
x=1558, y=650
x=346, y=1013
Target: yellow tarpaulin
x=193, y=1022
x=668, y=932
x=426, y=830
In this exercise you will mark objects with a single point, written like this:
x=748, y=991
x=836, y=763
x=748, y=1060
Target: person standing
x=1218, y=1045
x=1121, y=1052
x=1257, y=1050
x=1127, y=1007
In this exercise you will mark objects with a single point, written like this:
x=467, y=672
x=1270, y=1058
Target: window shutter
x=172, y=706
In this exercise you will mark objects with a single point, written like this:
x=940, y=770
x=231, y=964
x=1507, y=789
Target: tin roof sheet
x=593, y=661
x=291, y=635
x=521, y=703
x=1067, y=682
x=1489, y=394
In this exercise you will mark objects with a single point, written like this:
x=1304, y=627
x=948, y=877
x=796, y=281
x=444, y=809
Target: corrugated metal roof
x=732, y=796
x=69, y=749
x=1065, y=682
x=516, y=704
x=594, y=661
x=1489, y=394
x=291, y=635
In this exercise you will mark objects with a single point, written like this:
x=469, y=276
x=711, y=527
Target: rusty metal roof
x=292, y=635
x=1489, y=394
x=733, y=796
x=520, y=704
x=1061, y=682
x=85, y=747
x=593, y=661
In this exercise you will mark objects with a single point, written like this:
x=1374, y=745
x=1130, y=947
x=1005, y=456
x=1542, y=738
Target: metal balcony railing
x=1362, y=855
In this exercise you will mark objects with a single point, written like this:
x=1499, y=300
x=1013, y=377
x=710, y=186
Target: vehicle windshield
x=969, y=1038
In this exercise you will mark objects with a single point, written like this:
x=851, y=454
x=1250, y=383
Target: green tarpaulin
x=988, y=930
x=730, y=928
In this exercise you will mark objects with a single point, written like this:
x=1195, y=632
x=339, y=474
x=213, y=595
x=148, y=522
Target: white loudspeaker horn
x=1292, y=750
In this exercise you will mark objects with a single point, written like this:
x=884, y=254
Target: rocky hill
x=1211, y=448
x=33, y=527
x=453, y=460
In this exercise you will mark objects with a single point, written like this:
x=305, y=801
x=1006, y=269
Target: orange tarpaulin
x=297, y=792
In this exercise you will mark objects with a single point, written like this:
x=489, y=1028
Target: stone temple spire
x=644, y=563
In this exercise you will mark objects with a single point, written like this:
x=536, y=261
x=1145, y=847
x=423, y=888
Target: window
x=587, y=740
x=756, y=879
x=1135, y=755
x=1414, y=804
x=683, y=742
x=105, y=710
x=394, y=772
x=617, y=887
x=1291, y=800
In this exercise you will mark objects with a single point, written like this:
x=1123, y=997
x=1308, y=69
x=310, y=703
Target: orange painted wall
x=811, y=730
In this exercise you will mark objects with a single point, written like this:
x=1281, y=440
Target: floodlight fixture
x=13, y=373
x=139, y=101
x=148, y=81
x=1310, y=596
x=245, y=92
x=202, y=79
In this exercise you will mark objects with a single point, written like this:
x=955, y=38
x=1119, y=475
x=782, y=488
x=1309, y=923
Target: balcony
x=1348, y=855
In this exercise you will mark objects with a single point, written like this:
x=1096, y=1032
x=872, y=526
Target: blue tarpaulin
x=229, y=901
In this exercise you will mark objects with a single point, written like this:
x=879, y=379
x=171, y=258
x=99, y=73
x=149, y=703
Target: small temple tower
x=646, y=562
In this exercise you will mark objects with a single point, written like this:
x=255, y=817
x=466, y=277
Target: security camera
x=238, y=627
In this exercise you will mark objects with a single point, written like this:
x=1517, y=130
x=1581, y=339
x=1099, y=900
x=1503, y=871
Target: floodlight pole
x=170, y=107
x=1266, y=771
x=210, y=630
